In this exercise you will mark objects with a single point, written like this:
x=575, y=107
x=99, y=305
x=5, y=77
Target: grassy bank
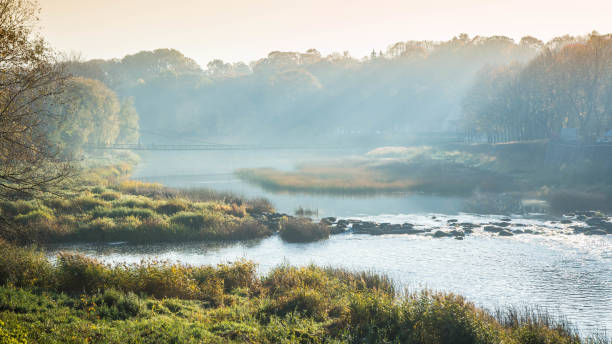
x=518, y=169
x=390, y=169
x=103, y=205
x=81, y=300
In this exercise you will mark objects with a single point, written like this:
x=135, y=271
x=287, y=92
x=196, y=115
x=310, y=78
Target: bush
x=103, y=224
x=116, y=305
x=565, y=201
x=24, y=267
x=248, y=229
x=448, y=318
x=190, y=220
x=12, y=209
x=136, y=187
x=135, y=202
x=110, y=196
x=305, y=301
x=172, y=207
x=88, y=203
x=78, y=273
x=259, y=206
x=97, y=190
x=302, y=230
x=34, y=217
x=122, y=212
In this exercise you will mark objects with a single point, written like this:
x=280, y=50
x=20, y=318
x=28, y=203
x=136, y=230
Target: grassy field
x=103, y=205
x=80, y=300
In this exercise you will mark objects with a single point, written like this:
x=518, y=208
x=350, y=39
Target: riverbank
x=80, y=299
x=102, y=204
x=492, y=178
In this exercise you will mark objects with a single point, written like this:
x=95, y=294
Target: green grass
x=81, y=300
x=104, y=205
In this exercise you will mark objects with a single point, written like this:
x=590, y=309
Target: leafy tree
x=92, y=114
x=564, y=86
x=30, y=81
x=128, y=122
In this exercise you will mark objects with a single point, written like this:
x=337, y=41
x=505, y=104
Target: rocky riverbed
x=445, y=226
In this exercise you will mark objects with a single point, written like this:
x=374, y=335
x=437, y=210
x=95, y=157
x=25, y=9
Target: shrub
x=88, y=203
x=190, y=220
x=122, y=212
x=237, y=210
x=78, y=273
x=375, y=319
x=135, y=202
x=259, y=206
x=58, y=204
x=447, y=318
x=302, y=230
x=172, y=207
x=12, y=209
x=110, y=196
x=248, y=229
x=565, y=201
x=116, y=305
x=103, y=224
x=136, y=187
x=305, y=301
x=240, y=274
x=535, y=325
x=97, y=190
x=23, y=267
x=34, y=217
x=363, y=280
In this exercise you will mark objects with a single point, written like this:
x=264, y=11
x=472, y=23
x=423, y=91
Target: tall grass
x=80, y=297
x=135, y=211
x=302, y=230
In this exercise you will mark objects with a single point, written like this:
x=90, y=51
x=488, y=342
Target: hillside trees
x=565, y=86
x=288, y=95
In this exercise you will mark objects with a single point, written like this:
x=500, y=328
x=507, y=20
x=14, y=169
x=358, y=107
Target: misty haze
x=454, y=190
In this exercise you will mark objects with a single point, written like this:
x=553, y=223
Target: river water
x=561, y=272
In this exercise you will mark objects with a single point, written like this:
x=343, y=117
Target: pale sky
x=245, y=30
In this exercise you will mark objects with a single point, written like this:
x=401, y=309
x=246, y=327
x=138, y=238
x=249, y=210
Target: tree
x=30, y=81
x=92, y=116
x=128, y=122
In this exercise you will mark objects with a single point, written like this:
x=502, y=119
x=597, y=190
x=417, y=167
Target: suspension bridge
x=208, y=147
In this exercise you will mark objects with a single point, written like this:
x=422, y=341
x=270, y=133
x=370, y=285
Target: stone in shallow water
x=493, y=229
x=595, y=232
x=505, y=233
x=441, y=234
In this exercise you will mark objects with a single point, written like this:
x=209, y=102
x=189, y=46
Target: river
x=564, y=273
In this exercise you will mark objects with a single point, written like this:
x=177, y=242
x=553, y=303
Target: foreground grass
x=81, y=300
x=105, y=206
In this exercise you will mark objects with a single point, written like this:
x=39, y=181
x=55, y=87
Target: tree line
x=303, y=96
x=567, y=85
